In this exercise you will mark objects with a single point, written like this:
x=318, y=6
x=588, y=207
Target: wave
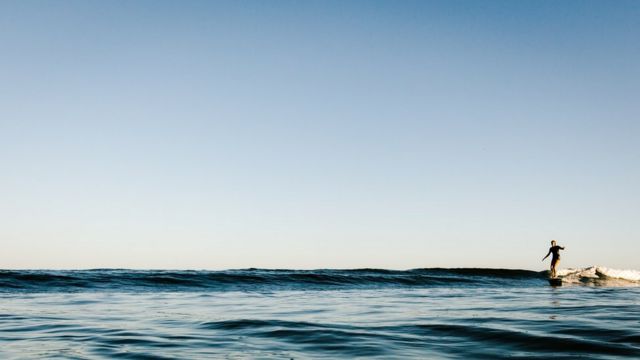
x=269, y=280
x=254, y=279
x=351, y=340
x=599, y=275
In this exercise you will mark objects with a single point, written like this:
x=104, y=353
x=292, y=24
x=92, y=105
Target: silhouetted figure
x=555, y=259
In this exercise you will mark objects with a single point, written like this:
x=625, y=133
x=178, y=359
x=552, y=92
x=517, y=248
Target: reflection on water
x=476, y=322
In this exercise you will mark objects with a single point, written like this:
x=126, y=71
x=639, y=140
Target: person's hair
x=553, y=242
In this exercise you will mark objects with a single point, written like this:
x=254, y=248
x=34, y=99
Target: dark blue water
x=319, y=314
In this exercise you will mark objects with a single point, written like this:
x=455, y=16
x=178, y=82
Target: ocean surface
x=319, y=314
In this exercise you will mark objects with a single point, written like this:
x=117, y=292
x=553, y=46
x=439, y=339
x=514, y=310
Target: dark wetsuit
x=555, y=253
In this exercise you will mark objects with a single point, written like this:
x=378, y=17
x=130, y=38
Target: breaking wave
x=600, y=275
x=270, y=280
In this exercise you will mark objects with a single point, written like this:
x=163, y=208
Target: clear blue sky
x=319, y=134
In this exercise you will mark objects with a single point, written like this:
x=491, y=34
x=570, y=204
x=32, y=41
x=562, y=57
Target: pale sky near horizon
x=319, y=134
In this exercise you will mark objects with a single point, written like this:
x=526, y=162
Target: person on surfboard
x=555, y=259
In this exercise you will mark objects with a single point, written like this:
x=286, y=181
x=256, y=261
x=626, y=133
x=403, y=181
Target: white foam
x=598, y=273
x=631, y=275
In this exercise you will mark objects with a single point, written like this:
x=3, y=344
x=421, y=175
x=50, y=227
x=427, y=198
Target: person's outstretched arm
x=547, y=255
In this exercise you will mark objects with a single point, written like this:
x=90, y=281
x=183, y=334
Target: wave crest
x=255, y=279
x=599, y=274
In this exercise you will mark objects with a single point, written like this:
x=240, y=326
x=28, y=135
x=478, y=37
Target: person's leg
x=553, y=268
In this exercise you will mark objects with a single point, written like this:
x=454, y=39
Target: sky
x=319, y=134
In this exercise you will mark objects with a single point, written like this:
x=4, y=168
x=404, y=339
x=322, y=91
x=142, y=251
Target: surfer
x=555, y=259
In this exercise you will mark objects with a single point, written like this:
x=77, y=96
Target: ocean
x=319, y=314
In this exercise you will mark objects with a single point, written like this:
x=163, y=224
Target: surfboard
x=555, y=281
